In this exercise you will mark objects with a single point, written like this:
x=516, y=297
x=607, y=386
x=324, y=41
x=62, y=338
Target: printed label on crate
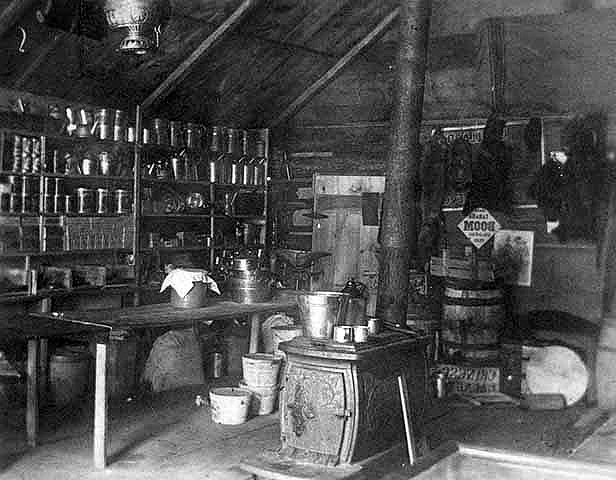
x=468, y=379
x=479, y=226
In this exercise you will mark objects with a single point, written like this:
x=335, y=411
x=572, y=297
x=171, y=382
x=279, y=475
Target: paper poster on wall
x=513, y=256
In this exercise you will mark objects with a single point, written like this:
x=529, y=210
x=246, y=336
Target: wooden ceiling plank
x=328, y=76
x=206, y=46
x=36, y=62
x=12, y=13
x=311, y=24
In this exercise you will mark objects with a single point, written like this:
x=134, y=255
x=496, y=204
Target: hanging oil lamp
x=142, y=19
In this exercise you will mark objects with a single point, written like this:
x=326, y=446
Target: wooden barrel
x=473, y=320
x=605, y=373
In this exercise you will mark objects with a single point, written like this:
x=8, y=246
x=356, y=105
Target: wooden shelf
x=65, y=253
x=247, y=188
x=60, y=292
x=175, y=249
x=172, y=183
x=97, y=178
x=186, y=216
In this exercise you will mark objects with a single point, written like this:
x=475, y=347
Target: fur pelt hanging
x=575, y=193
x=491, y=184
x=460, y=165
x=432, y=179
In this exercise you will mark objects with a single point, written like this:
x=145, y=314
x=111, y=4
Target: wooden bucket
x=605, y=374
x=473, y=320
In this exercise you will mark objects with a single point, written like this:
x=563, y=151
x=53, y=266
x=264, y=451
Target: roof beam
x=174, y=79
x=331, y=74
x=12, y=13
x=44, y=51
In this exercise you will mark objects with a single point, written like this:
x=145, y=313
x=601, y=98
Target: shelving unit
x=42, y=233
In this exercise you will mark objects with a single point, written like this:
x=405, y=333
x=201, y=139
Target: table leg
x=43, y=372
x=100, y=407
x=255, y=326
x=32, y=407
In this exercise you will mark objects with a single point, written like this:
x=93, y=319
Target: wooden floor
x=166, y=436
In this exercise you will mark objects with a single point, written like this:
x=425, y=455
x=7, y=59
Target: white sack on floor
x=175, y=361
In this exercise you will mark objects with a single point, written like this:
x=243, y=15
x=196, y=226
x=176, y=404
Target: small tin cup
x=343, y=334
x=360, y=333
x=374, y=325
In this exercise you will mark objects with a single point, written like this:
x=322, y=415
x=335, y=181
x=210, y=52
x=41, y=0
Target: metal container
x=48, y=203
x=102, y=201
x=68, y=204
x=216, y=365
x=121, y=201
x=360, y=333
x=119, y=126
x=86, y=201
x=321, y=311
x=193, y=133
x=160, y=132
x=374, y=325
x=104, y=163
x=102, y=122
x=343, y=334
x=249, y=286
x=58, y=203
x=195, y=298
x=175, y=134
x=88, y=166
x=245, y=263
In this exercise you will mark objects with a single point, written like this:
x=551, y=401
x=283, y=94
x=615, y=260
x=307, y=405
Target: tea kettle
x=355, y=289
x=356, y=311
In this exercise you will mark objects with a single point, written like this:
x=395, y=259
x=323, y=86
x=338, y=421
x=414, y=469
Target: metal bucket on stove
x=321, y=311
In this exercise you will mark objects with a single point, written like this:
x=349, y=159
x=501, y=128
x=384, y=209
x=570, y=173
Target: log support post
x=398, y=236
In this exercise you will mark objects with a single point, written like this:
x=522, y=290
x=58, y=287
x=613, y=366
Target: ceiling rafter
x=331, y=74
x=36, y=62
x=12, y=13
x=169, y=84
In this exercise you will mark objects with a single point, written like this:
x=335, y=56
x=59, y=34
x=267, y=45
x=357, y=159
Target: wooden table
x=98, y=326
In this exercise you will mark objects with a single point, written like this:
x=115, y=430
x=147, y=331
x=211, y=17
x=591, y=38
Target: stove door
x=315, y=412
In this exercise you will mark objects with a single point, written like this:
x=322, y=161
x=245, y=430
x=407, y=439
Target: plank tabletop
x=162, y=314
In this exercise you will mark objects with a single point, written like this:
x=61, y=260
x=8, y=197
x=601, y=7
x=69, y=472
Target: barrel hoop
x=474, y=346
x=472, y=302
x=479, y=294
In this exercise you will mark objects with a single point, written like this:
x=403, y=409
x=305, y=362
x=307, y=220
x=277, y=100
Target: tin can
x=57, y=186
x=104, y=163
x=146, y=136
x=87, y=166
x=440, y=382
x=121, y=201
x=58, y=204
x=217, y=364
x=374, y=325
x=15, y=203
x=175, y=134
x=86, y=202
x=343, y=334
x=360, y=333
x=68, y=204
x=47, y=186
x=102, y=200
x=48, y=203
